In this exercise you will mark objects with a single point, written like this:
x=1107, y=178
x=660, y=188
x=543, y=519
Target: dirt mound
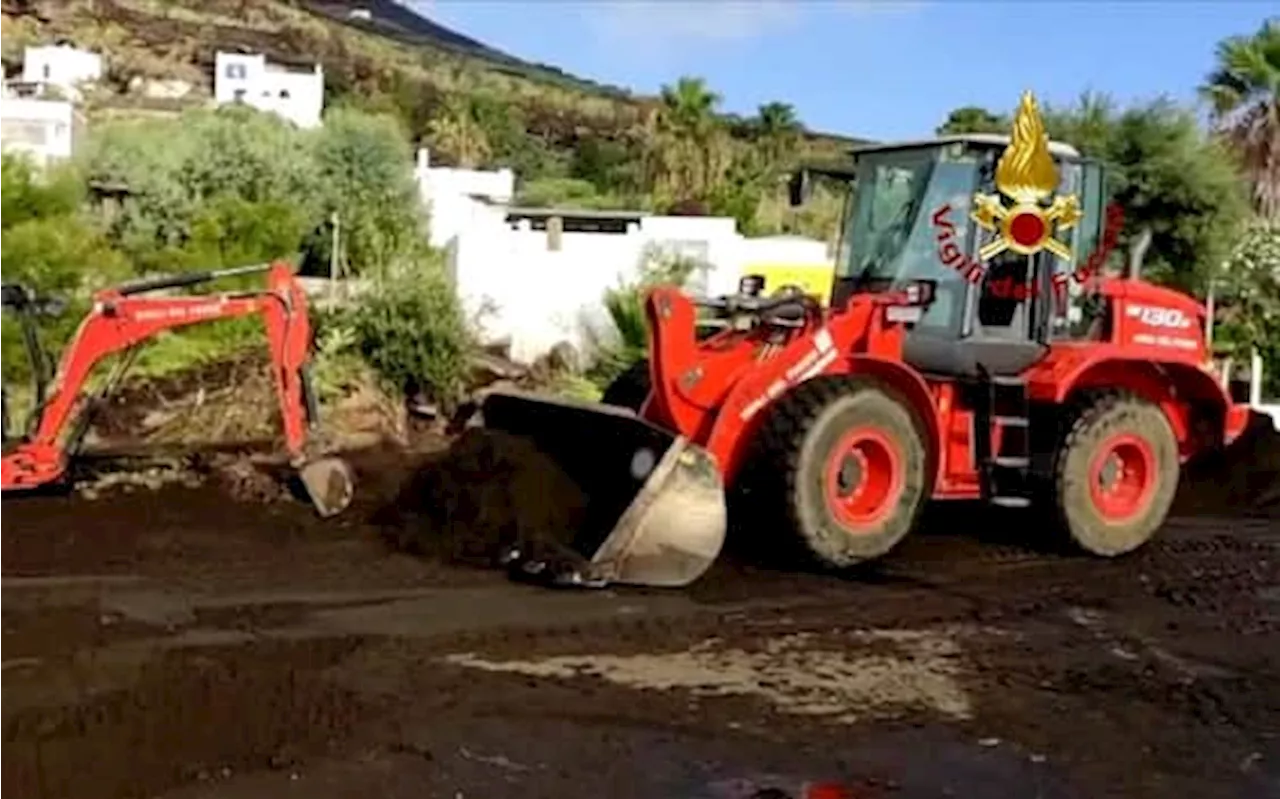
x=1242, y=480
x=487, y=492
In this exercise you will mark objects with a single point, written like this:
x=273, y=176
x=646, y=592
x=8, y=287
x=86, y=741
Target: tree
x=51, y=245
x=973, y=119
x=455, y=133
x=1167, y=175
x=178, y=170
x=778, y=130
x=689, y=148
x=1244, y=91
x=364, y=165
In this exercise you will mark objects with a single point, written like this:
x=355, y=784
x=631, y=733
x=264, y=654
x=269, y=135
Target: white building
x=537, y=277
x=459, y=199
x=293, y=93
x=47, y=130
x=61, y=66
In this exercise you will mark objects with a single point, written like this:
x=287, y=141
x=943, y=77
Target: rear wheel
x=1117, y=474
x=629, y=389
x=845, y=468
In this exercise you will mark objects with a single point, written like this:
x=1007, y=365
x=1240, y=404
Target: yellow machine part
x=813, y=279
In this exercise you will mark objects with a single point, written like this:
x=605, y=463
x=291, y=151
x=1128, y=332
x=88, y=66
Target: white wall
x=544, y=297
x=461, y=199
x=539, y=297
x=43, y=128
x=62, y=66
x=298, y=96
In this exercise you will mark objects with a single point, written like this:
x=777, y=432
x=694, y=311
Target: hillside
x=394, y=53
x=397, y=22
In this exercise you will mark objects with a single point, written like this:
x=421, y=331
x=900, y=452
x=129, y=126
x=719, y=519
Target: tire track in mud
x=1221, y=576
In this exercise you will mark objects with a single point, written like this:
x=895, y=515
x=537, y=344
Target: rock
x=487, y=368
x=564, y=357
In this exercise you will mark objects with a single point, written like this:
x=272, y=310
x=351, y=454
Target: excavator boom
x=122, y=318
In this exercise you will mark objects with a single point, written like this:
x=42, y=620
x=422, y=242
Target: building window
x=47, y=72
x=235, y=71
x=284, y=94
x=239, y=96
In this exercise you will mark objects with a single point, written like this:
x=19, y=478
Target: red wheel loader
x=1078, y=394
x=120, y=320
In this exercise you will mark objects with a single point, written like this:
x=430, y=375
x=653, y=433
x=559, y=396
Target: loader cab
x=908, y=219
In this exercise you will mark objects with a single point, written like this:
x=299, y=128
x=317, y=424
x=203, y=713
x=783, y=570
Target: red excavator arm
x=121, y=319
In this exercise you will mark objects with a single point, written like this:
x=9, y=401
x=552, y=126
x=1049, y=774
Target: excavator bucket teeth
x=655, y=510
x=328, y=483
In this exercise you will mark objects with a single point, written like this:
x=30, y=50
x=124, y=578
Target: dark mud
x=180, y=643
x=178, y=717
x=1242, y=480
x=489, y=491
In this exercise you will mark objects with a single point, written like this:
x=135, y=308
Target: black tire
x=1107, y=512
x=799, y=482
x=629, y=389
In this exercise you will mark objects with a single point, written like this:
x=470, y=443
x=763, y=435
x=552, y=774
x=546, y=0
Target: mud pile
x=1243, y=480
x=489, y=491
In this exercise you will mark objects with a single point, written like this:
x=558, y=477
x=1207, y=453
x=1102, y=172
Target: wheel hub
x=863, y=479
x=1123, y=478
x=849, y=481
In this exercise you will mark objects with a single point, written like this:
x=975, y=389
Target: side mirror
x=799, y=187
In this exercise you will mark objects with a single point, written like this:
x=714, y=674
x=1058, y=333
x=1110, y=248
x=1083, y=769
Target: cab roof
x=1057, y=148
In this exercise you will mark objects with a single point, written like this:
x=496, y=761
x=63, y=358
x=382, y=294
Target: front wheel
x=1117, y=474
x=846, y=467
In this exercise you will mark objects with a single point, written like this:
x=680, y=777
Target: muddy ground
x=179, y=640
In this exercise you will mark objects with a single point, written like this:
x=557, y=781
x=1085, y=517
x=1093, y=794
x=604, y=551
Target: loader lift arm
x=121, y=319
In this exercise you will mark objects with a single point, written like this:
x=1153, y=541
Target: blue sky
x=871, y=68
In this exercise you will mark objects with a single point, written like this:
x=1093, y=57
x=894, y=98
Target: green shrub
x=625, y=306
x=412, y=330
x=50, y=246
x=177, y=169
x=366, y=175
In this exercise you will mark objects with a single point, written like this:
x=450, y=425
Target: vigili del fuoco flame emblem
x=1026, y=175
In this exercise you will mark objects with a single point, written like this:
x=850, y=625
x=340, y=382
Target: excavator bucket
x=328, y=483
x=655, y=512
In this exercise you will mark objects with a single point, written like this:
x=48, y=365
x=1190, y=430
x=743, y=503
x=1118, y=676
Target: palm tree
x=1245, y=94
x=777, y=119
x=689, y=139
x=455, y=132
x=689, y=106
x=778, y=129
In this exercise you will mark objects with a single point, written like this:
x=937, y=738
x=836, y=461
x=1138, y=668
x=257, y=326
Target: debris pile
x=92, y=484
x=488, y=492
x=1243, y=480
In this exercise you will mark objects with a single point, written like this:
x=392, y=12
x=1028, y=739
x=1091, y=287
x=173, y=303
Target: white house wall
x=521, y=290
x=462, y=199
x=62, y=66
x=296, y=95
x=537, y=298
x=44, y=129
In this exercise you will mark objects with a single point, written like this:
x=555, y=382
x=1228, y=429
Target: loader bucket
x=328, y=483
x=655, y=512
